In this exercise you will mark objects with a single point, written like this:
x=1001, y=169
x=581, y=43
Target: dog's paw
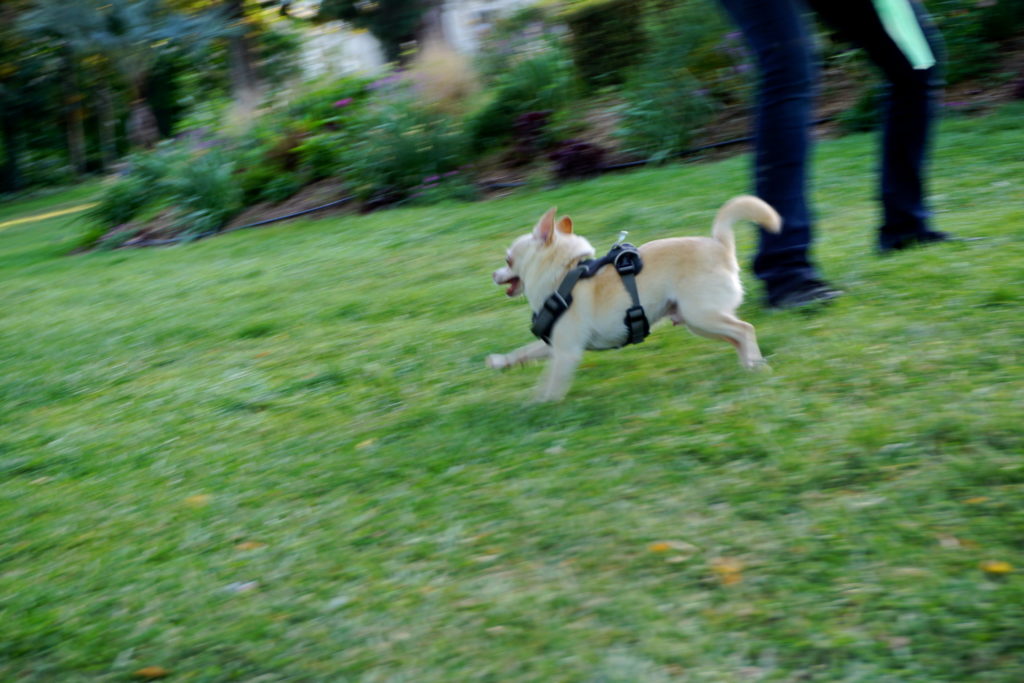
x=497, y=361
x=759, y=365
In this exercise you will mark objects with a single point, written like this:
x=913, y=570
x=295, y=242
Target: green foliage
x=971, y=33
x=400, y=144
x=203, y=191
x=606, y=38
x=671, y=93
x=196, y=180
x=120, y=203
x=526, y=31
x=865, y=114
x=322, y=155
x=543, y=81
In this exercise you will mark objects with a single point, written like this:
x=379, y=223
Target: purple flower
x=343, y=103
x=384, y=82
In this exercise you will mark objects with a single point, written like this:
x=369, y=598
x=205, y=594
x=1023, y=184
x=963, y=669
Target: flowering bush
x=400, y=143
x=693, y=64
x=542, y=81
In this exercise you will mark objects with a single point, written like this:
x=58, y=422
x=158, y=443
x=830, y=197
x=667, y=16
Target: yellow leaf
x=152, y=672
x=997, y=567
x=250, y=545
x=200, y=500
x=683, y=547
x=729, y=570
x=365, y=444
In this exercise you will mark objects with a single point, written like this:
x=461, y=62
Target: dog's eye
x=508, y=261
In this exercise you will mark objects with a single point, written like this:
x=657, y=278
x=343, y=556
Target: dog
x=693, y=281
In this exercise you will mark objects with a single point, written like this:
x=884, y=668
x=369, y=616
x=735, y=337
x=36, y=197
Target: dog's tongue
x=512, y=284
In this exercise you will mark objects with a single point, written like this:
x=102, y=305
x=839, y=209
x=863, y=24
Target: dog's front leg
x=558, y=374
x=534, y=351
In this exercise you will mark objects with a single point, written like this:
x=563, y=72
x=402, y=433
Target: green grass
x=277, y=455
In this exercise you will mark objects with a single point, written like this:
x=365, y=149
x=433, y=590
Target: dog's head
x=535, y=261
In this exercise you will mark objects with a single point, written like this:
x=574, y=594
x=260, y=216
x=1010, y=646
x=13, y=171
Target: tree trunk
x=74, y=115
x=108, y=126
x=10, y=178
x=142, y=129
x=244, y=80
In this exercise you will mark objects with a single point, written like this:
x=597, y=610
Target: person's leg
x=909, y=108
x=777, y=34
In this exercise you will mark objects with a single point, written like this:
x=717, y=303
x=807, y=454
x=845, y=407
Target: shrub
x=204, y=192
x=522, y=33
x=198, y=182
x=971, y=31
x=321, y=156
x=544, y=81
x=400, y=143
x=606, y=38
x=671, y=93
x=120, y=203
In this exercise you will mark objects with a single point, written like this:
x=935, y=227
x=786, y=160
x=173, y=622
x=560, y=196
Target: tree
x=392, y=22
x=26, y=90
x=129, y=36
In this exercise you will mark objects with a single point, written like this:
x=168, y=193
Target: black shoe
x=888, y=243
x=806, y=293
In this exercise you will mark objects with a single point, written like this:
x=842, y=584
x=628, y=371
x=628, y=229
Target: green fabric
x=901, y=24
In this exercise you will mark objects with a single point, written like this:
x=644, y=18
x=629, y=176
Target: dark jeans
x=777, y=32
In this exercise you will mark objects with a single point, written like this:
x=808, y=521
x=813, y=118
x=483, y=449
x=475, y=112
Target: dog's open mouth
x=513, y=286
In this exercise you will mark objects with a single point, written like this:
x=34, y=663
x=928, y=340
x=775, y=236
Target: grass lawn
x=277, y=455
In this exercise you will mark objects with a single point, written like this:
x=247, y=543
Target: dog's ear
x=564, y=225
x=545, y=228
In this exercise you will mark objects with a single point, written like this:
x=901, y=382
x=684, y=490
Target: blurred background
x=208, y=115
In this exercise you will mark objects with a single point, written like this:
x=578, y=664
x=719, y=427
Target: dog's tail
x=744, y=207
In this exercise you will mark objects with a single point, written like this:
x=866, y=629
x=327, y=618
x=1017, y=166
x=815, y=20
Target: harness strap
x=628, y=264
x=555, y=305
x=626, y=260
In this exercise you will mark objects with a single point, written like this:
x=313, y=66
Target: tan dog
x=694, y=281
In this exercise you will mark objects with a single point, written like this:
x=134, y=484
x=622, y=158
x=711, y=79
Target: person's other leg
x=910, y=105
x=777, y=34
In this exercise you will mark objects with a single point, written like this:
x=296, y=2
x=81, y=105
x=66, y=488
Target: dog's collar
x=627, y=262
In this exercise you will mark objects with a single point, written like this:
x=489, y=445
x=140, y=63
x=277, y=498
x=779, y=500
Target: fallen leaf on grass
x=250, y=545
x=152, y=672
x=996, y=567
x=729, y=570
x=682, y=549
x=198, y=501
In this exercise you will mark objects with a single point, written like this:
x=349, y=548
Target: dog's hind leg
x=733, y=330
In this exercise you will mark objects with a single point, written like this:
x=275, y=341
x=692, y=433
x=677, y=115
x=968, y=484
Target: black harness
x=626, y=260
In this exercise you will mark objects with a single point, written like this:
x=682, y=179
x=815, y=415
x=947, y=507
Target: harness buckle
x=556, y=304
x=637, y=324
x=627, y=261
